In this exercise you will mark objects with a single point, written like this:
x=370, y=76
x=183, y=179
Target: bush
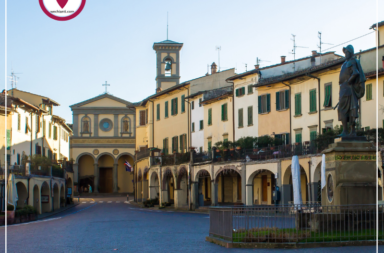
x=30, y=210
x=10, y=207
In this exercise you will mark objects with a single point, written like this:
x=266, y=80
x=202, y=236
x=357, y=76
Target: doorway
x=106, y=180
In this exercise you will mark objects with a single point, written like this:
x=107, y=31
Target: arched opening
x=139, y=186
x=45, y=198
x=204, y=188
x=182, y=188
x=36, y=199
x=86, y=167
x=154, y=186
x=56, y=197
x=263, y=184
x=168, y=187
x=62, y=196
x=22, y=193
x=229, y=187
x=124, y=177
x=287, y=190
x=316, y=184
x=168, y=67
x=105, y=163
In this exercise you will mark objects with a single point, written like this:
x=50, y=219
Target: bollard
x=127, y=197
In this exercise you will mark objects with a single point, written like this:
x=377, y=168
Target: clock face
x=330, y=188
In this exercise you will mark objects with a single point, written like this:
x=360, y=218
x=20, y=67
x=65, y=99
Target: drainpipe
x=318, y=88
x=290, y=113
x=153, y=125
x=31, y=135
x=233, y=111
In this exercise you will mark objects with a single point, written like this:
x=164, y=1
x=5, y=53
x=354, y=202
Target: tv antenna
x=321, y=43
x=258, y=60
x=167, y=25
x=294, y=51
x=218, y=48
x=14, y=79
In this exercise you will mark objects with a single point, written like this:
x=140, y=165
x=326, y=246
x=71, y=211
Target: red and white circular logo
x=62, y=10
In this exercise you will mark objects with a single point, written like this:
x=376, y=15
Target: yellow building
x=103, y=140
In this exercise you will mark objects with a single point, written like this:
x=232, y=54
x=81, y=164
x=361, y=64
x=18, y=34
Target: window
x=43, y=127
x=201, y=149
x=224, y=112
x=183, y=103
x=18, y=121
x=241, y=117
x=146, y=116
x=85, y=126
x=200, y=100
x=264, y=103
x=158, y=112
x=183, y=143
x=368, y=91
x=283, y=137
x=18, y=159
x=298, y=104
x=209, y=116
x=282, y=100
x=225, y=137
x=50, y=130
x=55, y=132
x=192, y=105
x=328, y=95
x=193, y=127
x=50, y=110
x=175, y=144
x=9, y=139
x=174, y=106
x=312, y=100
x=250, y=115
x=250, y=89
x=142, y=118
x=26, y=125
x=298, y=137
x=240, y=91
x=166, y=109
x=201, y=124
x=165, y=146
x=312, y=135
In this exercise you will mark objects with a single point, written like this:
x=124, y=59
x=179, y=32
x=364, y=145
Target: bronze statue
x=352, y=88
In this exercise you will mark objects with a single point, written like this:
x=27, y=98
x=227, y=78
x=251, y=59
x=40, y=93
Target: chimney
x=213, y=68
x=383, y=61
x=283, y=59
x=314, y=52
x=158, y=90
x=257, y=66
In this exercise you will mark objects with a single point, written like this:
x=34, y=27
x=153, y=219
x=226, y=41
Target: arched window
x=126, y=126
x=85, y=125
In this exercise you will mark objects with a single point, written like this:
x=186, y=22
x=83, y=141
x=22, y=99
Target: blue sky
x=112, y=41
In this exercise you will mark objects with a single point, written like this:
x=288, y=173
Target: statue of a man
x=352, y=88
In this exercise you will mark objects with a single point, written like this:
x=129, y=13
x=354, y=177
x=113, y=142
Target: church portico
x=103, y=142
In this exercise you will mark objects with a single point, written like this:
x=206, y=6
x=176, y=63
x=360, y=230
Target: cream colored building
x=103, y=140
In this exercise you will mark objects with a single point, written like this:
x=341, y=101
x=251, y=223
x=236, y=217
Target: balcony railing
x=143, y=154
x=168, y=159
x=202, y=157
x=183, y=158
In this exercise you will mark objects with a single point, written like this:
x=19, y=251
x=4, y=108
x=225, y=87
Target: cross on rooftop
x=106, y=86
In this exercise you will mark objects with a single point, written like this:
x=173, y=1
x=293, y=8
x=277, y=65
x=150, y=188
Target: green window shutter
x=312, y=102
x=8, y=139
x=313, y=136
x=243, y=90
x=268, y=102
x=277, y=101
x=158, y=111
x=250, y=115
x=193, y=127
x=201, y=124
x=298, y=104
x=176, y=105
x=259, y=104
x=181, y=139
x=166, y=109
x=173, y=144
x=226, y=112
x=286, y=99
x=222, y=112
x=298, y=138
x=287, y=139
x=328, y=94
x=172, y=106
x=183, y=103
x=209, y=145
x=250, y=89
x=176, y=144
x=240, y=117
x=210, y=116
x=237, y=92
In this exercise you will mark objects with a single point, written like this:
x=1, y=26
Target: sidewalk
x=45, y=215
x=169, y=208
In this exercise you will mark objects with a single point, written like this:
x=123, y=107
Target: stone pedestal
x=350, y=173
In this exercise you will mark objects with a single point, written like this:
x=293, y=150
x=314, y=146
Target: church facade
x=103, y=141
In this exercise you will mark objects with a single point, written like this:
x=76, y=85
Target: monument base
x=350, y=173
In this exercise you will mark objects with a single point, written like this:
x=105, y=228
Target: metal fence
x=202, y=157
x=143, y=154
x=296, y=223
x=14, y=169
x=183, y=158
x=168, y=159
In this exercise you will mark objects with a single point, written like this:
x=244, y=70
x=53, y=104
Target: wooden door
x=264, y=182
x=106, y=180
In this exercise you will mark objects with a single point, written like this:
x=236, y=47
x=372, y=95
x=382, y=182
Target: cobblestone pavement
x=116, y=226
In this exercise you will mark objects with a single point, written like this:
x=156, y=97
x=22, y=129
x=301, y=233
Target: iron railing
x=168, y=159
x=297, y=223
x=183, y=158
x=155, y=160
x=202, y=157
x=13, y=169
x=143, y=154
x=42, y=171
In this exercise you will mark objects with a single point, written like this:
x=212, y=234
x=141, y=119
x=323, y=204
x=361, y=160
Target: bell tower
x=167, y=64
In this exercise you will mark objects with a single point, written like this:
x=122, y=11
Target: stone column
x=96, y=181
x=115, y=178
x=194, y=197
x=286, y=194
x=314, y=191
x=243, y=183
x=249, y=196
x=76, y=174
x=214, y=193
